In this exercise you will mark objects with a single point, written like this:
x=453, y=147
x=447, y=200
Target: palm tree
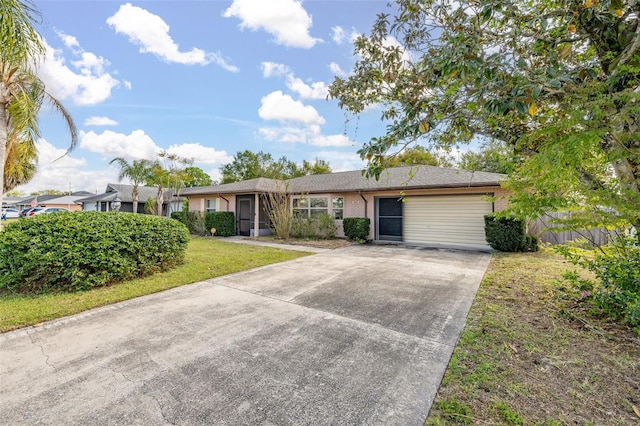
x=139, y=172
x=22, y=93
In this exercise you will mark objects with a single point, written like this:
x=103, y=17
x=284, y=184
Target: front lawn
x=529, y=355
x=205, y=258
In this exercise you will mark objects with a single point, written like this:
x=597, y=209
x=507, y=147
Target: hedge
x=508, y=234
x=356, y=228
x=82, y=250
x=224, y=222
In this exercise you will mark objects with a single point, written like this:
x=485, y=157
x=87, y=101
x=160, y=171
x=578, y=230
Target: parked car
x=44, y=210
x=25, y=212
x=10, y=213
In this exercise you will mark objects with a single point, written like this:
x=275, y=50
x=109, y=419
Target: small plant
x=507, y=414
x=194, y=221
x=615, y=293
x=356, y=228
x=223, y=222
x=455, y=411
x=280, y=215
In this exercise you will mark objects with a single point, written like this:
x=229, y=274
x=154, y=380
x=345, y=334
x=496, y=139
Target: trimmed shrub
x=82, y=250
x=505, y=233
x=192, y=220
x=356, y=228
x=224, y=222
x=321, y=226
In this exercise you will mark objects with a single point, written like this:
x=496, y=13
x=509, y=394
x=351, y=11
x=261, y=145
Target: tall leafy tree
x=555, y=79
x=250, y=165
x=412, y=156
x=493, y=156
x=166, y=173
x=195, y=176
x=138, y=173
x=22, y=93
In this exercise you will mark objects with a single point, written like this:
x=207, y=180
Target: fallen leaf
x=533, y=109
x=512, y=347
x=636, y=410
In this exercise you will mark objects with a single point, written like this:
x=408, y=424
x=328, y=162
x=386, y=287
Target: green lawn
x=530, y=354
x=206, y=258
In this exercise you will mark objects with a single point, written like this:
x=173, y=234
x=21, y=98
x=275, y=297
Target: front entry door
x=389, y=218
x=244, y=216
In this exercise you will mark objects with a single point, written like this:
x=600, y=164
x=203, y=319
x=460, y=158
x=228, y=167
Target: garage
x=447, y=220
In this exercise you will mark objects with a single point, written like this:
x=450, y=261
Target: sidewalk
x=245, y=240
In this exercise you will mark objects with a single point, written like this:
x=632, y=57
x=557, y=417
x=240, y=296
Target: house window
x=307, y=207
x=338, y=208
x=211, y=205
x=312, y=206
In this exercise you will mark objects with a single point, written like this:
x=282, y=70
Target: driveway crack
x=44, y=354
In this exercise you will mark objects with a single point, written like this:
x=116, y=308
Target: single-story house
x=124, y=193
x=427, y=205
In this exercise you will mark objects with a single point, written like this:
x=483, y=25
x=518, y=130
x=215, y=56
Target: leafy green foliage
x=321, y=226
x=508, y=234
x=82, y=250
x=417, y=155
x=556, y=81
x=194, y=176
x=494, y=157
x=356, y=228
x=250, y=165
x=224, y=222
x=194, y=221
x=616, y=291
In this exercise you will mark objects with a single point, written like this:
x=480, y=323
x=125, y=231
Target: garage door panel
x=446, y=219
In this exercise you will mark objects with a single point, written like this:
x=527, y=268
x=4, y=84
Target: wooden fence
x=543, y=226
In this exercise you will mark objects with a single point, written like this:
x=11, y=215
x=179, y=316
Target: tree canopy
x=195, y=176
x=250, y=165
x=557, y=80
x=412, y=156
x=493, y=156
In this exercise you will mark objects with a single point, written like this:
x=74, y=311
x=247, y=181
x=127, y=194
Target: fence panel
x=540, y=227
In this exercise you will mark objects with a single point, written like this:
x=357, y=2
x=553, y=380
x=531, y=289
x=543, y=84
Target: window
x=338, y=208
x=211, y=205
x=312, y=206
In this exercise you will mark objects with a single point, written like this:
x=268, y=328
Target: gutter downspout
x=226, y=201
x=365, y=204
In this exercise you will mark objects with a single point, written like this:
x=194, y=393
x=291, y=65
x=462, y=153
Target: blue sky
x=201, y=79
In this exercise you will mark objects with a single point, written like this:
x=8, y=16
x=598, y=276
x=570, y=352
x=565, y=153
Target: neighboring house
x=65, y=201
x=427, y=205
x=124, y=193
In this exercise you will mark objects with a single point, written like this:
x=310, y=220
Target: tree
x=249, y=165
x=49, y=192
x=195, y=176
x=167, y=175
x=555, y=80
x=22, y=93
x=493, y=156
x=138, y=173
x=410, y=157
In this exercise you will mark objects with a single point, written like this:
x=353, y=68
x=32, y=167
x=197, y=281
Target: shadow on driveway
x=359, y=335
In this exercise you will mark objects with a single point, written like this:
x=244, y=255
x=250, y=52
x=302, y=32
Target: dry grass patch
x=528, y=357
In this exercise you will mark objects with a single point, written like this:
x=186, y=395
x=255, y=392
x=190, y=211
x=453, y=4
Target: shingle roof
x=125, y=194
x=410, y=177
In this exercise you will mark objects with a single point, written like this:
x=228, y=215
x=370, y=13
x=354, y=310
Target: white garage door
x=450, y=220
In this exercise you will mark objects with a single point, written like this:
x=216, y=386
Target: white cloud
x=271, y=69
x=136, y=145
x=151, y=33
x=286, y=20
x=335, y=69
x=127, y=84
x=341, y=161
x=200, y=154
x=86, y=84
x=311, y=135
x=70, y=41
x=317, y=90
x=338, y=34
x=281, y=107
x=100, y=121
x=59, y=171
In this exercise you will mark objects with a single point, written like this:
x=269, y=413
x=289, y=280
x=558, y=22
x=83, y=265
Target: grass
x=530, y=355
x=205, y=258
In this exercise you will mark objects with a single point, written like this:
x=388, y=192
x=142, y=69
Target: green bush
x=321, y=226
x=356, y=228
x=194, y=221
x=508, y=234
x=224, y=222
x=82, y=250
x=615, y=293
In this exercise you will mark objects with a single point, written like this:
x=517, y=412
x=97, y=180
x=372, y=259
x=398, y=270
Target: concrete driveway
x=354, y=336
